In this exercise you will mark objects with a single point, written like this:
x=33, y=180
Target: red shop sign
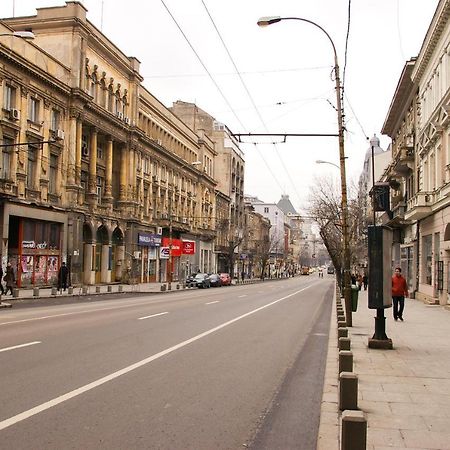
x=188, y=248
x=175, y=247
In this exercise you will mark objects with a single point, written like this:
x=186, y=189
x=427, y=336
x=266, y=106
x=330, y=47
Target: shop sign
x=188, y=248
x=28, y=244
x=149, y=240
x=164, y=252
x=175, y=244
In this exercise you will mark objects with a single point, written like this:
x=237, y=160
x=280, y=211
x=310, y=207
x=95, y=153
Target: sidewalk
x=404, y=392
x=27, y=294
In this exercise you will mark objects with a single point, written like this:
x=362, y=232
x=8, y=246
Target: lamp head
x=266, y=21
x=24, y=34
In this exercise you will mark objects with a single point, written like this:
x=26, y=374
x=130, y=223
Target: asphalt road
x=222, y=368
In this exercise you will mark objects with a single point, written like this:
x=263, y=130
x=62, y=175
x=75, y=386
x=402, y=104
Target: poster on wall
x=40, y=267
x=52, y=268
x=26, y=267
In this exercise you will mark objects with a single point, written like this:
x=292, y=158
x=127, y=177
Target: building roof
x=286, y=206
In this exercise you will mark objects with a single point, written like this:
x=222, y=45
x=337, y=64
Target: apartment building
x=95, y=171
x=418, y=122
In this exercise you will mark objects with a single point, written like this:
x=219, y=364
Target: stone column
x=78, y=141
x=108, y=174
x=123, y=173
x=93, y=162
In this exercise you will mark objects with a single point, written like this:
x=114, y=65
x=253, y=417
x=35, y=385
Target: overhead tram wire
x=218, y=88
x=251, y=100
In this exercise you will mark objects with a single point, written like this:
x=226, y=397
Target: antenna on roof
x=101, y=18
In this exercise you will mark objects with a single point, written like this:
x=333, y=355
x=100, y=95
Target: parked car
x=225, y=278
x=330, y=270
x=214, y=280
x=201, y=280
x=190, y=279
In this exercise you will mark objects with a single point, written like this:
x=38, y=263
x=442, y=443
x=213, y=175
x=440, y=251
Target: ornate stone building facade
x=94, y=169
x=418, y=122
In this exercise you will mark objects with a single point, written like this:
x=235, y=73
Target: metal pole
x=344, y=206
x=169, y=284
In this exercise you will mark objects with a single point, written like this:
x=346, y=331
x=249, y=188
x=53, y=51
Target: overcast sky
x=285, y=83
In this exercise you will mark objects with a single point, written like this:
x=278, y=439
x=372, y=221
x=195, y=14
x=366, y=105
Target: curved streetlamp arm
x=265, y=21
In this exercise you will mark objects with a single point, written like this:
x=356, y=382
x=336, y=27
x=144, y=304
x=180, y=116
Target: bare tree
x=325, y=209
x=265, y=250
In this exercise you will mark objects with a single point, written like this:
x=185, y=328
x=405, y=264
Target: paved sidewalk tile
x=404, y=392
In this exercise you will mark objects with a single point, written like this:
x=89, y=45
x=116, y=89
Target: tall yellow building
x=94, y=169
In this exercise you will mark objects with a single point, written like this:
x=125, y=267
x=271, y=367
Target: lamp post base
x=379, y=339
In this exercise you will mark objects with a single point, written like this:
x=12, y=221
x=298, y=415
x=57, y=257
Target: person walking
x=63, y=276
x=10, y=278
x=399, y=292
x=365, y=281
x=2, y=289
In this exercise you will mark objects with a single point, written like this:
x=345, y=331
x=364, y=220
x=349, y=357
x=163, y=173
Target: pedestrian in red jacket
x=399, y=292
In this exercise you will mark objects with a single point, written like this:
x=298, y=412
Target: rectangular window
x=84, y=180
x=53, y=172
x=99, y=189
x=9, y=101
x=266, y=210
x=84, y=146
x=5, y=172
x=146, y=165
x=427, y=259
x=55, y=120
x=99, y=151
x=31, y=167
x=34, y=110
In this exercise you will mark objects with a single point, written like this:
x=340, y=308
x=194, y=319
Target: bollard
x=120, y=288
x=178, y=286
x=348, y=391
x=84, y=290
x=345, y=361
x=342, y=324
x=163, y=287
x=70, y=290
x=109, y=288
x=36, y=292
x=97, y=289
x=354, y=430
x=15, y=292
x=344, y=343
x=54, y=291
x=341, y=318
x=342, y=332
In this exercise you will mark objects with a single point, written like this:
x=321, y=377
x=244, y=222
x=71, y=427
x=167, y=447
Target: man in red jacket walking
x=399, y=292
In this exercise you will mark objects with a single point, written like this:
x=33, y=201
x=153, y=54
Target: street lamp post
x=265, y=21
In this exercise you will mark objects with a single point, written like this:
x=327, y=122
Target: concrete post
x=342, y=332
x=84, y=290
x=97, y=289
x=342, y=324
x=15, y=292
x=345, y=361
x=36, y=292
x=109, y=288
x=354, y=430
x=70, y=290
x=348, y=391
x=120, y=288
x=54, y=291
x=344, y=343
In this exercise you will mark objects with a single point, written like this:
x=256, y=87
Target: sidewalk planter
x=355, y=291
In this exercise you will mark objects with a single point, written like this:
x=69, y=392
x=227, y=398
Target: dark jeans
x=399, y=305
